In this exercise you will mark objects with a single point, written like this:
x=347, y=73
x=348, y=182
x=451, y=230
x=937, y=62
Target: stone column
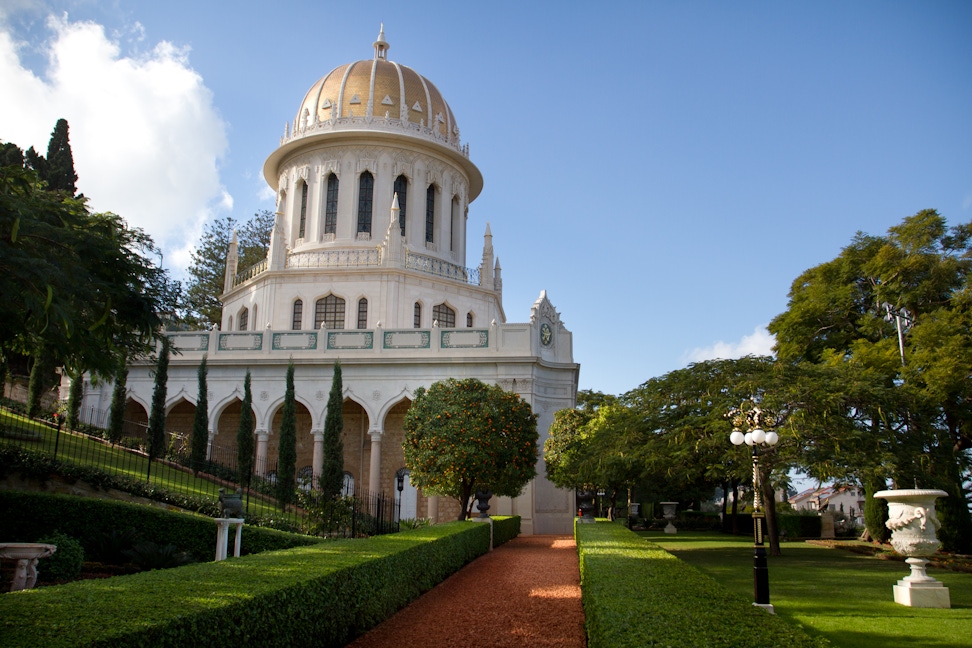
x=209, y=445
x=374, y=478
x=260, y=466
x=317, y=464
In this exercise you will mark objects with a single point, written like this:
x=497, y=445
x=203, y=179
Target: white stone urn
x=913, y=525
x=668, y=512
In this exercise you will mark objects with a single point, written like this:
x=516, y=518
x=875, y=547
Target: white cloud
x=759, y=343
x=145, y=135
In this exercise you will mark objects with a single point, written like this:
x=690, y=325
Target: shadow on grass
x=842, y=596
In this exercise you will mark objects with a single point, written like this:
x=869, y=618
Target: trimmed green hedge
x=505, y=528
x=323, y=595
x=794, y=526
x=30, y=515
x=636, y=594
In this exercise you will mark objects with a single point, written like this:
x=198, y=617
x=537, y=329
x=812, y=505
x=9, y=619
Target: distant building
x=833, y=499
x=368, y=265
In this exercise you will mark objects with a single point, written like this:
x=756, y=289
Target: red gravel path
x=524, y=593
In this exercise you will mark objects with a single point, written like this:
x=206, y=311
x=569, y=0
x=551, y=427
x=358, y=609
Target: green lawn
x=82, y=450
x=833, y=593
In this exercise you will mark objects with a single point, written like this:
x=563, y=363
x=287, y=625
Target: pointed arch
x=366, y=191
x=401, y=188
x=331, y=204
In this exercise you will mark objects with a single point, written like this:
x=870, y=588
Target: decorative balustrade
x=249, y=273
x=441, y=268
x=378, y=123
x=352, y=258
x=370, y=257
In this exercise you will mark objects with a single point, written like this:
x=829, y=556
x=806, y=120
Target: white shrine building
x=368, y=266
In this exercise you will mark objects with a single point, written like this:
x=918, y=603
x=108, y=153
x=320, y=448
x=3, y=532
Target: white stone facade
x=398, y=292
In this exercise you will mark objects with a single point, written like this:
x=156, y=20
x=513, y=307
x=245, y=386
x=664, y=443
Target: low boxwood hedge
x=321, y=595
x=29, y=515
x=505, y=528
x=636, y=594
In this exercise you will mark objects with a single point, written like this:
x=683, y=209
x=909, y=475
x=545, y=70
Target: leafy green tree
x=84, y=286
x=75, y=398
x=681, y=431
x=287, y=447
x=200, y=422
x=244, y=436
x=208, y=268
x=899, y=308
x=116, y=419
x=463, y=435
x=156, y=427
x=331, y=480
x=570, y=457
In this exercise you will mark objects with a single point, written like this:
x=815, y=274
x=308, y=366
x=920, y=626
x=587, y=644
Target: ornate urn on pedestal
x=668, y=512
x=482, y=503
x=585, y=502
x=913, y=525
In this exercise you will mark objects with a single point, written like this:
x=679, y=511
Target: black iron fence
x=172, y=479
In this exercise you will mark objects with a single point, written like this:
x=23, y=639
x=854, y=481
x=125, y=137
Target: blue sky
x=663, y=170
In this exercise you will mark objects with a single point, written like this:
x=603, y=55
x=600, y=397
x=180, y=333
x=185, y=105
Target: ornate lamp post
x=754, y=438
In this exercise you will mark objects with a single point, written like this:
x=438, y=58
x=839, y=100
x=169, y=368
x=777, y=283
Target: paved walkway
x=525, y=593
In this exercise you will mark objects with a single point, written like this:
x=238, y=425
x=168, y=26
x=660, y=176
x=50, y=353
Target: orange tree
x=464, y=435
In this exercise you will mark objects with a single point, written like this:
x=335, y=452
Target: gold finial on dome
x=381, y=45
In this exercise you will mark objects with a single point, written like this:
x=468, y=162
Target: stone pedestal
x=668, y=511
x=26, y=554
x=222, y=536
x=827, y=526
x=913, y=524
x=921, y=590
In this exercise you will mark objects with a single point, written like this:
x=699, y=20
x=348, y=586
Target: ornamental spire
x=381, y=45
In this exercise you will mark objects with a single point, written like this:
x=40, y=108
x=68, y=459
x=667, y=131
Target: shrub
x=798, y=526
x=408, y=524
x=63, y=564
x=148, y=555
x=626, y=581
x=29, y=515
x=505, y=528
x=109, y=547
x=321, y=595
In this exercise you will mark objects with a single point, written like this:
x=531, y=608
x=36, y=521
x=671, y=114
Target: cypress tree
x=60, y=161
x=331, y=480
x=75, y=397
x=40, y=374
x=244, y=436
x=875, y=510
x=156, y=428
x=117, y=417
x=287, y=448
x=200, y=423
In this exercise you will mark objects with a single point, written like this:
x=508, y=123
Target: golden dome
x=378, y=89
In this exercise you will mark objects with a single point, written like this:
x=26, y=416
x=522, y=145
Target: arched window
x=298, y=317
x=401, y=188
x=347, y=488
x=243, y=319
x=330, y=209
x=444, y=315
x=366, y=189
x=469, y=320
x=302, y=228
x=362, y=313
x=430, y=214
x=329, y=311
x=417, y=317
x=454, y=225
